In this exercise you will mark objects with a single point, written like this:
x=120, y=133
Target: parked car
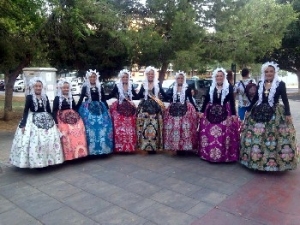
x=2, y=85
x=137, y=86
x=199, y=87
x=19, y=85
x=108, y=86
x=76, y=88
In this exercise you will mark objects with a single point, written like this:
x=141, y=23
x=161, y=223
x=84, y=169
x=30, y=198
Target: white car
x=19, y=85
x=76, y=88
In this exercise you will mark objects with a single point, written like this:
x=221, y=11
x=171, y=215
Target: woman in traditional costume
x=94, y=112
x=219, y=125
x=37, y=140
x=149, y=113
x=181, y=118
x=268, y=138
x=123, y=113
x=70, y=124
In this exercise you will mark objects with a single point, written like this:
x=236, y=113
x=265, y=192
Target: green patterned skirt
x=269, y=146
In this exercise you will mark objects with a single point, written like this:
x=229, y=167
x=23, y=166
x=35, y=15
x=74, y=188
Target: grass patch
x=18, y=107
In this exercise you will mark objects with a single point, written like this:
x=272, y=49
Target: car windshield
x=167, y=83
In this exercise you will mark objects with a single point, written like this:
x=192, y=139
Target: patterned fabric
x=219, y=142
x=180, y=132
x=124, y=129
x=241, y=96
x=43, y=120
x=177, y=109
x=263, y=113
x=36, y=147
x=149, y=126
x=216, y=113
x=73, y=138
x=126, y=109
x=269, y=146
x=98, y=126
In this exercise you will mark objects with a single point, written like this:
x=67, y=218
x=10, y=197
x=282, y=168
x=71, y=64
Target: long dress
x=150, y=121
x=180, y=124
x=39, y=146
x=97, y=122
x=124, y=122
x=268, y=141
x=71, y=126
x=219, y=129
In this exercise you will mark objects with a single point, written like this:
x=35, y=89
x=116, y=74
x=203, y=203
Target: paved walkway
x=144, y=189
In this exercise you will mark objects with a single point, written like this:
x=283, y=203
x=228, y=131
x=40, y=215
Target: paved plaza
x=141, y=189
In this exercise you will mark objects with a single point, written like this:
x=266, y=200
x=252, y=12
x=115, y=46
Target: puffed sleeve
x=285, y=99
x=190, y=98
x=82, y=95
x=103, y=98
x=55, y=108
x=28, y=101
x=113, y=93
x=205, y=102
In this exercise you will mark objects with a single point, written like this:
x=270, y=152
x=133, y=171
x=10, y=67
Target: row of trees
x=111, y=34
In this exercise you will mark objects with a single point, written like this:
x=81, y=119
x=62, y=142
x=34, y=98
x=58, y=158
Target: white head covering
x=60, y=94
x=31, y=84
x=88, y=84
x=155, y=81
x=225, y=87
x=120, y=86
x=183, y=89
x=275, y=83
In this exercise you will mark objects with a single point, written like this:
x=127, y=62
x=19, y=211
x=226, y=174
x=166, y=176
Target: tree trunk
x=163, y=71
x=11, y=78
x=298, y=76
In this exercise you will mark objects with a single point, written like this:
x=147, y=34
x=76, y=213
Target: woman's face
x=180, y=79
x=93, y=78
x=125, y=78
x=38, y=88
x=220, y=77
x=269, y=73
x=150, y=75
x=65, y=89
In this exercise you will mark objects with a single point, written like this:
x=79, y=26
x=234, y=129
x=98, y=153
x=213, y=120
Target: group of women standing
x=215, y=133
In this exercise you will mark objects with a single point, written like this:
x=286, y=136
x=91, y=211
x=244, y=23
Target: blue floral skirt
x=98, y=125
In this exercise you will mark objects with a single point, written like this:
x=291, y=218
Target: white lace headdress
x=274, y=85
x=155, y=81
x=225, y=87
x=88, y=84
x=183, y=89
x=60, y=94
x=120, y=85
x=31, y=84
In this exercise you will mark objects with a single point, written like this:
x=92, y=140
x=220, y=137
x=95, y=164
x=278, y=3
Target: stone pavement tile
x=178, y=186
x=86, y=203
x=200, y=209
x=17, y=190
x=165, y=215
x=38, y=205
x=174, y=200
x=209, y=196
x=38, y=180
x=79, y=179
x=219, y=217
x=59, y=189
x=121, y=166
x=5, y=205
x=189, y=177
x=216, y=185
x=111, y=177
x=17, y=217
x=115, y=215
x=147, y=175
x=142, y=188
x=9, y=178
x=130, y=201
x=102, y=189
x=149, y=223
x=66, y=215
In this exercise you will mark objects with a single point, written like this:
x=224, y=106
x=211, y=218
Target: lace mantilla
x=225, y=87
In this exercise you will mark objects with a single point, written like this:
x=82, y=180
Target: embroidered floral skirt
x=180, y=131
x=149, y=126
x=73, y=137
x=219, y=141
x=98, y=126
x=39, y=146
x=269, y=146
x=124, y=123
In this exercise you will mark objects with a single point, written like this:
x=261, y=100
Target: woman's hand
x=288, y=119
x=201, y=115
